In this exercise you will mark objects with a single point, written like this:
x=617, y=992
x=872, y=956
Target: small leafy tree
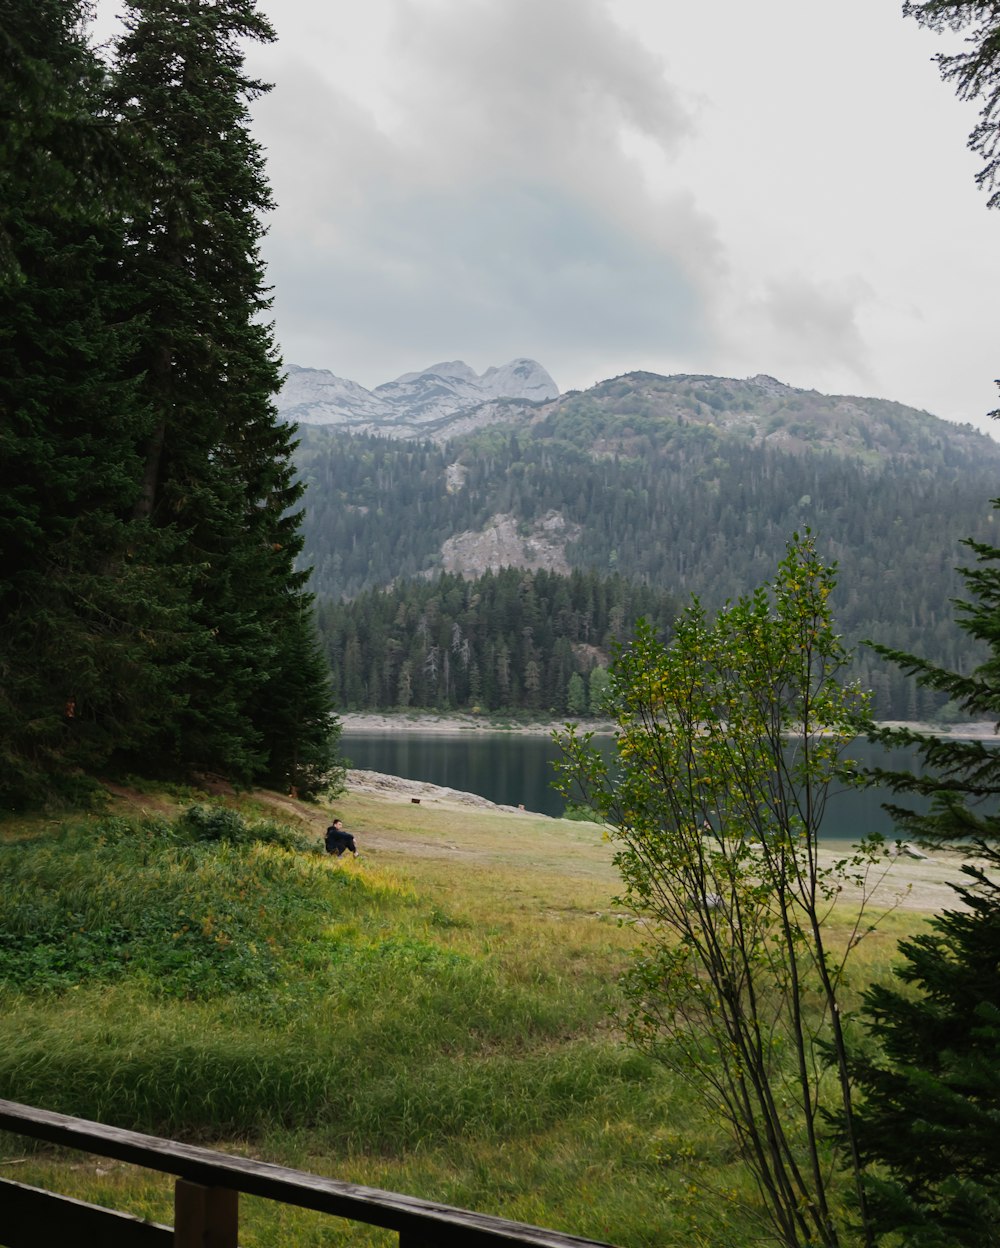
x=729, y=742
x=597, y=688
x=576, y=695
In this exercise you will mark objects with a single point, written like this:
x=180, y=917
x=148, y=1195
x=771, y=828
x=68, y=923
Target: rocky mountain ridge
x=632, y=414
x=626, y=415
x=434, y=402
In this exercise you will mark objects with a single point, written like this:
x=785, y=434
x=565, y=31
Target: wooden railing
x=206, y=1198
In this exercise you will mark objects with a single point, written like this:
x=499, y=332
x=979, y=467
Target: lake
x=512, y=770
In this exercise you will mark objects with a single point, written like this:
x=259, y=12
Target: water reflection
x=515, y=770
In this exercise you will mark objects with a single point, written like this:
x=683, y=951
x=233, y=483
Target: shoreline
x=459, y=723
x=919, y=883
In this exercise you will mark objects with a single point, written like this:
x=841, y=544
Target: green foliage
x=576, y=695
x=150, y=611
x=81, y=611
x=216, y=463
x=961, y=778
x=931, y=1112
x=729, y=741
x=684, y=507
x=299, y=732
x=598, y=688
x=931, y=1115
x=930, y=1119
x=119, y=899
x=434, y=1028
x=221, y=823
x=581, y=814
x=511, y=640
x=199, y=978
x=975, y=71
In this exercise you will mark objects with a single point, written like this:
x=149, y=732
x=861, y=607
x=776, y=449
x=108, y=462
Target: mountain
x=420, y=404
x=689, y=484
x=625, y=414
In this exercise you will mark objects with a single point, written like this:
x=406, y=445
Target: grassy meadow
x=436, y=1018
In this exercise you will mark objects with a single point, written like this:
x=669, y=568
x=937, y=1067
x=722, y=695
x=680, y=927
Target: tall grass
x=416, y=1024
x=204, y=987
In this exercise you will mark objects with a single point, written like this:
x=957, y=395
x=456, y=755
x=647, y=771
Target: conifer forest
x=151, y=609
x=655, y=507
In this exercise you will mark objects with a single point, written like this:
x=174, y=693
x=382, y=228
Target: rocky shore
x=902, y=881
x=457, y=723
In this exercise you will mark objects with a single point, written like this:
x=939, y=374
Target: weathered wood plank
x=443, y=1225
x=30, y=1216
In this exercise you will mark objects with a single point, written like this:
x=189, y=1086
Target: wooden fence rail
x=206, y=1195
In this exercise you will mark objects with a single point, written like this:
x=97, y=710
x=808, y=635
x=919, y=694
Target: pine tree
x=216, y=466
x=931, y=1114
x=299, y=730
x=975, y=71
x=931, y=1111
x=78, y=610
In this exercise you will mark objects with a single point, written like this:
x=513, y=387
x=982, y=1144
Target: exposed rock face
x=432, y=402
x=313, y=396
x=501, y=545
x=770, y=385
x=455, y=476
x=520, y=379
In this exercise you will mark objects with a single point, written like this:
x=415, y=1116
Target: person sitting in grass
x=337, y=840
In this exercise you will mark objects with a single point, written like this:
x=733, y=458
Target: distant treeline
x=508, y=640
x=689, y=513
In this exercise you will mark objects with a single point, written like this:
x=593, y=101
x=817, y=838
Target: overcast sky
x=606, y=185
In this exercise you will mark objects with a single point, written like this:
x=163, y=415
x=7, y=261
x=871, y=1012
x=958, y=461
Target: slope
x=691, y=484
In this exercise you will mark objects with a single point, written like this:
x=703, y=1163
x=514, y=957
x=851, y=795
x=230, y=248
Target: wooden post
x=413, y=1239
x=205, y=1217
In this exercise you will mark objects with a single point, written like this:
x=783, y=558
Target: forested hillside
x=692, y=487
x=532, y=641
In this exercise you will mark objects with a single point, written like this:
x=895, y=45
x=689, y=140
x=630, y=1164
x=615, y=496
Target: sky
x=609, y=185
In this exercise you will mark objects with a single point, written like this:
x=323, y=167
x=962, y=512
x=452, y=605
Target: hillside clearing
x=435, y=1018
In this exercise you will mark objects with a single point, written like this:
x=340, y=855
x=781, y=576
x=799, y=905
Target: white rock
x=412, y=403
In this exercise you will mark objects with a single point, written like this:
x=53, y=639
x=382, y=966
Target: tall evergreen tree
x=931, y=1116
x=931, y=1111
x=216, y=465
x=511, y=639
x=78, y=612
x=975, y=71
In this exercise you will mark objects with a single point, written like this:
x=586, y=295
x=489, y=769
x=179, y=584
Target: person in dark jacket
x=337, y=840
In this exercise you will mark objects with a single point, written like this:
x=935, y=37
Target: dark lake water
x=515, y=770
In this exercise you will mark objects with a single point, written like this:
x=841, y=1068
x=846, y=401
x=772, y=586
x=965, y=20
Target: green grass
x=436, y=1019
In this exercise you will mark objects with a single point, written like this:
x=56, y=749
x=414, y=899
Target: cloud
x=812, y=321
x=493, y=208
x=532, y=85
x=500, y=268
x=612, y=184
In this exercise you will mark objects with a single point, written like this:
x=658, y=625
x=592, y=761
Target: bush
x=219, y=823
x=193, y=908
